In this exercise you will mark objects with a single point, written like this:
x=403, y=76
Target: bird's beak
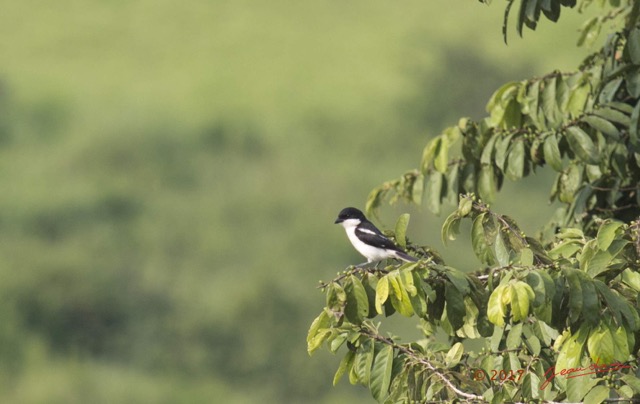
x=338, y=220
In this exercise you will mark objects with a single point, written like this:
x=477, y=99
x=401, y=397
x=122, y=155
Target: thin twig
x=409, y=352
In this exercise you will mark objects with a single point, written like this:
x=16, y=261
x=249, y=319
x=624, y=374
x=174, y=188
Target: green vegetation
x=551, y=317
x=171, y=172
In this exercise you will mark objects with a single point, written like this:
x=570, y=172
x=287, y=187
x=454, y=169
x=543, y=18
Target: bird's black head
x=350, y=213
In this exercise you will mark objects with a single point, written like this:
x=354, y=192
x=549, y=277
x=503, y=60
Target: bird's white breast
x=372, y=254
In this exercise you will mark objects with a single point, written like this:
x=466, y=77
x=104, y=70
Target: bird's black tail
x=405, y=257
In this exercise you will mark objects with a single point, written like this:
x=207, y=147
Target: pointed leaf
x=318, y=326
x=597, y=395
x=607, y=232
x=364, y=361
x=434, y=191
x=429, y=153
x=600, y=345
x=459, y=280
x=496, y=309
x=521, y=294
x=450, y=228
x=500, y=251
x=633, y=46
x=582, y=145
x=575, y=293
x=442, y=155
x=381, y=373
x=401, y=230
x=454, y=355
x=515, y=166
x=602, y=125
x=455, y=306
x=345, y=365
x=382, y=293
x=552, y=152
x=478, y=241
x=514, y=338
x=487, y=185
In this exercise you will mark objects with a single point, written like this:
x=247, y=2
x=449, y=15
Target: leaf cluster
x=541, y=307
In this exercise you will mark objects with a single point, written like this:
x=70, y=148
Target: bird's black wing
x=370, y=234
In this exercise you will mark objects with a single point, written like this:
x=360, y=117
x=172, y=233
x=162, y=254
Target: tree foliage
x=557, y=313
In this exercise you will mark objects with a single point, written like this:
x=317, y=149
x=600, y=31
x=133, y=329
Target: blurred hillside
x=171, y=172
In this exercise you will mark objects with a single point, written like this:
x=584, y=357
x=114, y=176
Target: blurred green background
x=171, y=172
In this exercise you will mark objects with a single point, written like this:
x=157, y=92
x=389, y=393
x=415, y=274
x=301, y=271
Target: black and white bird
x=367, y=239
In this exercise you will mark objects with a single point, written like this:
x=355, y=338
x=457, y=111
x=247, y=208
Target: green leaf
x=552, y=152
x=361, y=296
x=434, y=191
x=370, y=282
x=454, y=355
x=521, y=294
x=400, y=297
x=417, y=189
x=455, y=306
x=600, y=345
x=590, y=301
x=465, y=206
x=401, y=230
x=478, y=240
x=582, y=145
x=357, y=307
x=336, y=297
x=602, y=125
x=337, y=341
x=534, y=279
x=607, y=232
x=578, y=99
x=615, y=115
x=618, y=306
x=364, y=361
x=514, y=338
x=575, y=293
x=551, y=9
x=487, y=186
x=487, y=152
x=571, y=351
x=533, y=345
x=381, y=373
x=429, y=153
x=634, y=137
x=382, y=293
x=597, y=395
x=450, y=228
x=496, y=308
x=632, y=46
x=549, y=101
x=318, y=332
x=442, y=155
x=459, y=280
x=453, y=183
x=419, y=300
x=515, y=166
x=345, y=365
x=589, y=31
x=633, y=382
x=500, y=251
x=501, y=148
x=620, y=342
x=631, y=278
x=577, y=387
x=569, y=182
x=373, y=200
